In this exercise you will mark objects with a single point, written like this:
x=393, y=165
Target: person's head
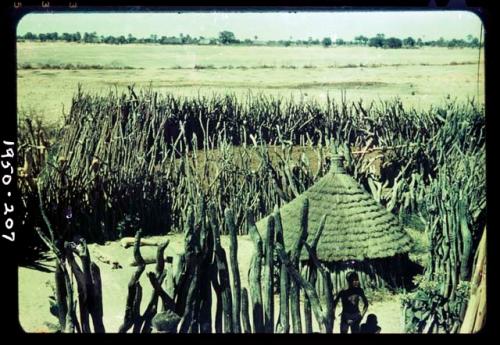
x=353, y=279
x=371, y=319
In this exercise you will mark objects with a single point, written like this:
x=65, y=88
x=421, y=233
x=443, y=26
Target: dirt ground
x=35, y=287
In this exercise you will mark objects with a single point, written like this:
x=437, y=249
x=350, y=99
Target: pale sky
x=265, y=25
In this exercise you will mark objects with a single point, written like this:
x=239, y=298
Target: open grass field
x=420, y=77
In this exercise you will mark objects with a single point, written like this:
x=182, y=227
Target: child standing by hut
x=351, y=316
x=371, y=325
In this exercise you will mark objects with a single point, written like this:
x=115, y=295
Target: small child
x=351, y=316
x=371, y=325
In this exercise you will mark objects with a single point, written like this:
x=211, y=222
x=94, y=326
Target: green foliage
x=377, y=41
x=454, y=205
x=379, y=295
x=409, y=42
x=361, y=39
x=227, y=37
x=326, y=42
x=393, y=42
x=427, y=309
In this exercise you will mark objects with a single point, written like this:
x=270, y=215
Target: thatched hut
x=359, y=233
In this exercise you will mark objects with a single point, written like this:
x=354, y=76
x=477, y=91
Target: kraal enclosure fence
x=158, y=163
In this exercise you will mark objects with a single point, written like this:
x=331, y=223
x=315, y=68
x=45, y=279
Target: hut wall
x=373, y=274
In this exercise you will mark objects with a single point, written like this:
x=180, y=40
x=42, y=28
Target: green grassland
x=49, y=73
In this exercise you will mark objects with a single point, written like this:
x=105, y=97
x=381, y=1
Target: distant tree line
x=229, y=38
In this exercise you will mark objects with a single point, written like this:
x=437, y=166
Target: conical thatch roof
x=357, y=227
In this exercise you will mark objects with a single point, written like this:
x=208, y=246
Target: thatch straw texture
x=356, y=228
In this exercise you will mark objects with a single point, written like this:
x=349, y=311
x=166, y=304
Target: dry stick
x=213, y=272
x=254, y=276
x=233, y=257
x=160, y=258
x=184, y=279
x=244, y=312
x=295, y=259
x=466, y=246
x=136, y=311
x=478, y=282
x=196, y=301
x=167, y=302
x=169, y=280
x=81, y=288
x=71, y=321
x=218, y=293
x=481, y=309
x=283, y=322
x=318, y=233
x=65, y=293
x=327, y=279
x=268, y=278
x=98, y=308
x=134, y=288
x=307, y=314
x=92, y=303
x=309, y=289
x=312, y=277
x=126, y=242
x=187, y=324
x=204, y=308
x=61, y=294
x=150, y=311
x=192, y=274
x=327, y=312
x=223, y=273
x=207, y=245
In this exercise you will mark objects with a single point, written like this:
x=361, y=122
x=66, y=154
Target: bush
x=392, y=43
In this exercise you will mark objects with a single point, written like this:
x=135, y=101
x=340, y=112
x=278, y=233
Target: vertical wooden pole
x=295, y=259
x=233, y=259
x=207, y=246
x=283, y=324
x=220, y=256
x=307, y=314
x=254, y=276
x=61, y=294
x=244, y=312
x=268, y=278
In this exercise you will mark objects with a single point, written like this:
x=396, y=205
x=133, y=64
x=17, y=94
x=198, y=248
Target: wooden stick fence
x=184, y=302
x=137, y=160
x=161, y=154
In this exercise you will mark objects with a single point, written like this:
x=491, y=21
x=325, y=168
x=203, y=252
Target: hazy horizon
x=276, y=25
